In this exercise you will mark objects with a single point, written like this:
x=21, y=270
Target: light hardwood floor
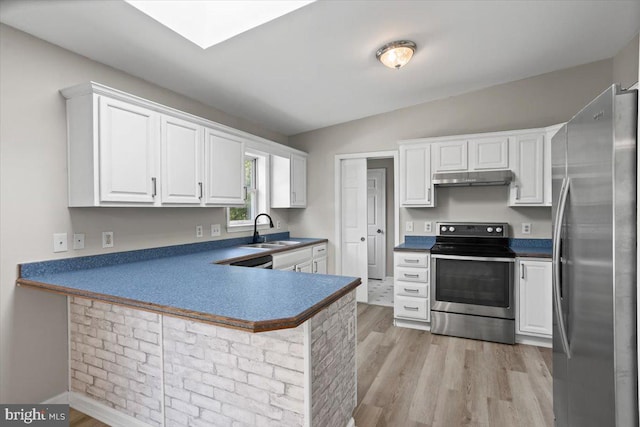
x=410, y=378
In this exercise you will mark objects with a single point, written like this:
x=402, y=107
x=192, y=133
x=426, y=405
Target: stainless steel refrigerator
x=595, y=361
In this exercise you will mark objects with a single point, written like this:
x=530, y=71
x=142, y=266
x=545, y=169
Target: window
x=255, y=170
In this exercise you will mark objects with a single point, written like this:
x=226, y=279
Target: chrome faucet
x=256, y=235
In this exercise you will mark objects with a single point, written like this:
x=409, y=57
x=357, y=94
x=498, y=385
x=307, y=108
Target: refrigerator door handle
x=557, y=232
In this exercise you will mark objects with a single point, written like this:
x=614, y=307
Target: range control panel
x=472, y=229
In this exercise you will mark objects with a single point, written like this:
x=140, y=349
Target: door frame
x=383, y=251
x=338, y=193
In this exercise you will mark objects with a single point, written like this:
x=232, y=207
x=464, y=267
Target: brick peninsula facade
x=167, y=371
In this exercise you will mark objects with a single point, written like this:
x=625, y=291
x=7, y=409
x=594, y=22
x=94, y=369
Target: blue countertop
x=193, y=286
x=532, y=248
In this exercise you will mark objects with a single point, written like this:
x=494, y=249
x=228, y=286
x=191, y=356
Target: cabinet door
x=181, y=161
x=528, y=166
x=450, y=156
x=320, y=265
x=489, y=153
x=224, y=169
x=128, y=152
x=535, y=311
x=298, y=181
x=304, y=267
x=415, y=176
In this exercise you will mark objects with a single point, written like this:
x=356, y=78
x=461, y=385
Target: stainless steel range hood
x=465, y=179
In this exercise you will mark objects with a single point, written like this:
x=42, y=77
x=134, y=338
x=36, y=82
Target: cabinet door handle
x=411, y=261
x=413, y=276
x=200, y=185
x=315, y=266
x=411, y=290
x=522, y=271
x=517, y=192
x=154, y=191
x=407, y=307
x=293, y=196
x=428, y=194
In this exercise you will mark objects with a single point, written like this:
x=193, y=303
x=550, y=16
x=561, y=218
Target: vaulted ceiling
x=316, y=67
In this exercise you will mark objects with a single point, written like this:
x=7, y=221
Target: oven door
x=481, y=286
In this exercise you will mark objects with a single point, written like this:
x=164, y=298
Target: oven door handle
x=473, y=258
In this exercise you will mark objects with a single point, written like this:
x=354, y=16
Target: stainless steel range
x=472, y=282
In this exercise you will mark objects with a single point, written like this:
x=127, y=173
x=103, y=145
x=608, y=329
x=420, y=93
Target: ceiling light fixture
x=396, y=54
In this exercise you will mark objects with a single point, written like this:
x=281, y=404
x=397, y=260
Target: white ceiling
x=315, y=67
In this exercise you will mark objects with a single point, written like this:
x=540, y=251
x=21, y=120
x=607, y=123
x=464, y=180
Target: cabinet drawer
x=414, y=308
x=411, y=289
x=320, y=250
x=411, y=259
x=412, y=274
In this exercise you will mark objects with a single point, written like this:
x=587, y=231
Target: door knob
x=379, y=231
x=362, y=239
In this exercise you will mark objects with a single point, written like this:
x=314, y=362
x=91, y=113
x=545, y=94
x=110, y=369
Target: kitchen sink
x=285, y=242
x=271, y=245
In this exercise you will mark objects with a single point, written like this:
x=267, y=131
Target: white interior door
x=376, y=220
x=354, y=222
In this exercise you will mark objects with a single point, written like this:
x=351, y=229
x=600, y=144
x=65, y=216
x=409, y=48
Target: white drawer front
x=412, y=274
x=413, y=308
x=411, y=289
x=320, y=250
x=411, y=259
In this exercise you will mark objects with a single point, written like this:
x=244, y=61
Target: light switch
x=215, y=230
x=409, y=226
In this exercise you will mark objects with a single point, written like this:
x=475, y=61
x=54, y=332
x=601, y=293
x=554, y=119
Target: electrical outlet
x=409, y=226
x=107, y=239
x=215, y=230
x=78, y=241
x=199, y=232
x=526, y=228
x=59, y=242
x=278, y=224
x=427, y=226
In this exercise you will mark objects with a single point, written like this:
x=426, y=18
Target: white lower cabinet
x=534, y=309
x=294, y=260
x=319, y=262
x=411, y=286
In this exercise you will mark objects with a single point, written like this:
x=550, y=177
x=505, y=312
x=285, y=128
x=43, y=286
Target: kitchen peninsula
x=181, y=340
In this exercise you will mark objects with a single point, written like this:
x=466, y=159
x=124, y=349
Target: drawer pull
x=412, y=261
x=411, y=290
x=414, y=276
x=406, y=307
x=320, y=250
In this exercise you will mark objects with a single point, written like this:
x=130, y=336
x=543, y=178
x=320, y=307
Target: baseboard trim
x=537, y=341
x=102, y=412
x=352, y=423
x=402, y=323
x=60, y=399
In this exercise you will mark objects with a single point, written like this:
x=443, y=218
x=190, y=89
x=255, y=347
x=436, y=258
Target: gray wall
x=533, y=102
x=33, y=204
x=625, y=64
x=387, y=164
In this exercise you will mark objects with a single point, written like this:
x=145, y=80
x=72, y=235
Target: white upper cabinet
x=527, y=163
x=224, y=168
x=128, y=146
x=416, y=189
x=489, y=153
x=289, y=181
x=127, y=151
x=182, y=144
x=450, y=156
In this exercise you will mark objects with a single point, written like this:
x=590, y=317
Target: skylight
x=209, y=22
